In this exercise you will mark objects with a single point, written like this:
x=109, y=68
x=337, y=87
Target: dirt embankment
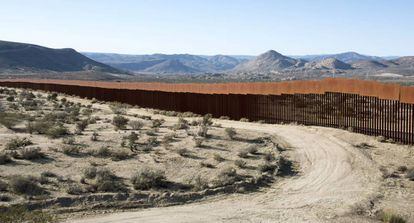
x=338, y=182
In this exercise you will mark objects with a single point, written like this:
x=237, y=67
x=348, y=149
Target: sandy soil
x=336, y=179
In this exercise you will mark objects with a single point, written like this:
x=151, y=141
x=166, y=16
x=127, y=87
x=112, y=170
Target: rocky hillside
x=29, y=57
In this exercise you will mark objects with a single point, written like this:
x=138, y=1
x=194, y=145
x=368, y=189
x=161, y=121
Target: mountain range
x=270, y=62
x=29, y=58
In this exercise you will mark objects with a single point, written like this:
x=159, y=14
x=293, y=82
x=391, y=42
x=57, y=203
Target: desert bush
x=132, y=138
x=18, y=143
x=103, y=152
x=410, y=174
x=120, y=121
x=10, y=98
x=119, y=155
x=205, y=164
x=74, y=189
x=267, y=167
x=31, y=153
x=207, y=120
x=217, y=157
x=243, y=153
x=388, y=217
x=147, y=178
x=87, y=112
x=199, y=183
x=183, y=152
x=402, y=168
x=240, y=163
x=181, y=124
x=94, y=136
x=203, y=130
x=57, y=131
x=107, y=181
x=9, y=120
x=269, y=157
x=231, y=132
x=152, y=141
x=244, y=120
x=25, y=185
x=71, y=150
x=69, y=141
x=118, y=108
x=198, y=141
x=48, y=174
x=224, y=117
x=156, y=123
x=5, y=158
x=252, y=149
x=19, y=214
x=3, y=185
x=226, y=177
x=52, y=97
x=136, y=125
x=81, y=125
x=89, y=172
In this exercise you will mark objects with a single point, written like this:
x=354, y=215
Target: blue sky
x=244, y=27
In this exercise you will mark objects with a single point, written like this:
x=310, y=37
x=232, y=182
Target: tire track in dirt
x=333, y=177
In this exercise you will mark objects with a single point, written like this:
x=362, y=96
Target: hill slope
x=22, y=56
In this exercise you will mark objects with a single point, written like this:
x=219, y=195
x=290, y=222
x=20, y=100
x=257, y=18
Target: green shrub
x=18, y=143
x=147, y=178
x=231, y=132
x=25, y=185
x=120, y=121
x=19, y=214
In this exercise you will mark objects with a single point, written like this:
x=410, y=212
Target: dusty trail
x=333, y=177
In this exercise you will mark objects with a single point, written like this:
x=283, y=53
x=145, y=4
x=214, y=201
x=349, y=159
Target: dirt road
x=334, y=176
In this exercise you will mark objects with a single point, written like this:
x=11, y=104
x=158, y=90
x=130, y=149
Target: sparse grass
x=147, y=178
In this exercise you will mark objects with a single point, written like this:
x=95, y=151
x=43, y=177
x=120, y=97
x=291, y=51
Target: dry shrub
x=18, y=143
x=240, y=163
x=26, y=185
x=147, y=178
x=5, y=158
x=231, y=132
x=120, y=121
x=31, y=153
x=136, y=125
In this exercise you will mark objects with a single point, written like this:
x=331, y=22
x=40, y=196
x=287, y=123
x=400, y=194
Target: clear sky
x=244, y=27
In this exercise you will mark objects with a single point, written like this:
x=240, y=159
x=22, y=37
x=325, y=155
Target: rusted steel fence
x=368, y=107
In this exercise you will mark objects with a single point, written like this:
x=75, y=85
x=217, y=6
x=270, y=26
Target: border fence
x=368, y=107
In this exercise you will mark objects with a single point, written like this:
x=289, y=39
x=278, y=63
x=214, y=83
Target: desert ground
x=81, y=160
